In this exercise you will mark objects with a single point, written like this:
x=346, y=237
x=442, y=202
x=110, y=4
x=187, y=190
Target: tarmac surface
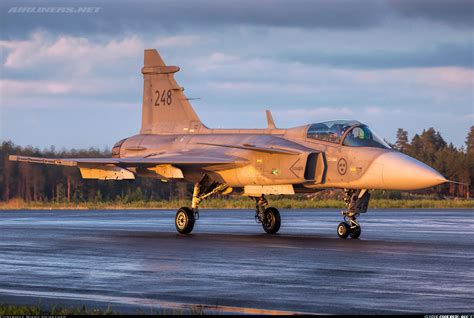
x=406, y=261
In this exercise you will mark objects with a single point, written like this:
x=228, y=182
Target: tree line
x=48, y=183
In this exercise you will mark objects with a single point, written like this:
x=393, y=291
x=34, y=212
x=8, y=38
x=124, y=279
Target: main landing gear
x=186, y=217
x=269, y=217
x=357, y=201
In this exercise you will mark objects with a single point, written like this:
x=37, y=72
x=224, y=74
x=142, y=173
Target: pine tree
x=470, y=159
x=402, y=140
x=470, y=140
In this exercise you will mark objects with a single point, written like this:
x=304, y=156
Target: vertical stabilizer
x=165, y=108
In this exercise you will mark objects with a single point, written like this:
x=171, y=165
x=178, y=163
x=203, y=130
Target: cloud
x=123, y=16
x=317, y=113
x=79, y=66
x=454, y=12
x=44, y=48
x=18, y=88
x=73, y=87
x=248, y=87
x=177, y=41
x=447, y=54
x=65, y=65
x=446, y=77
x=376, y=111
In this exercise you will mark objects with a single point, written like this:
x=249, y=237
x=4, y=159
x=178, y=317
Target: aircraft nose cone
x=402, y=172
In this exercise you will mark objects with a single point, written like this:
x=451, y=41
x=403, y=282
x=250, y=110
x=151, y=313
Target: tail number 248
x=163, y=98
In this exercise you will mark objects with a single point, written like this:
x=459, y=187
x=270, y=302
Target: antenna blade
x=270, y=122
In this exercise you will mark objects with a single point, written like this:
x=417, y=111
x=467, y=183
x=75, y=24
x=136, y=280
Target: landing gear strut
x=357, y=201
x=268, y=216
x=186, y=217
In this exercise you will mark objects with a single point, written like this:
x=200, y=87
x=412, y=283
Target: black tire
x=355, y=232
x=184, y=220
x=343, y=230
x=272, y=221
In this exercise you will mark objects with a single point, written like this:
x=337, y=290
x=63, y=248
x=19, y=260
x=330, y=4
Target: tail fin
x=165, y=108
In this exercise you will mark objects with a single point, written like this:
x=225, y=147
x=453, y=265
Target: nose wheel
x=344, y=230
x=355, y=232
x=357, y=202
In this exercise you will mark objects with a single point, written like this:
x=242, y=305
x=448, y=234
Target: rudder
x=165, y=108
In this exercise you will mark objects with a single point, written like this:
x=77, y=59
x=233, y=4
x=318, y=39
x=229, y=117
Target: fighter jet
x=173, y=144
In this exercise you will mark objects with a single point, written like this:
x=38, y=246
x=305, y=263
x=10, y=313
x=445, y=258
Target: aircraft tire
x=184, y=220
x=343, y=230
x=272, y=220
x=355, y=232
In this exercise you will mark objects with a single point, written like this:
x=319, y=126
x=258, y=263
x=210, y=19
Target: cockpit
x=351, y=132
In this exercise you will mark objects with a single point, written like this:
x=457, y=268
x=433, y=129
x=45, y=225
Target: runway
x=407, y=261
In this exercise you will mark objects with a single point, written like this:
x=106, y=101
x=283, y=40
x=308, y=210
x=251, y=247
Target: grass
x=237, y=203
x=38, y=310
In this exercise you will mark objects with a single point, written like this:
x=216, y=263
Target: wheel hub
x=269, y=220
x=340, y=230
x=181, y=220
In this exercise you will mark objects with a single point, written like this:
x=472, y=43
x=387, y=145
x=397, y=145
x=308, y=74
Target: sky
x=72, y=79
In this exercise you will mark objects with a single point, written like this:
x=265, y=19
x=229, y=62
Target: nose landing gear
x=357, y=201
x=349, y=227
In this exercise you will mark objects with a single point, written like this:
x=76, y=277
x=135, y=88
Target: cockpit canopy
x=355, y=134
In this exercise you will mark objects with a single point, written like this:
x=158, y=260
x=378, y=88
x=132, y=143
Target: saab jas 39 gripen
x=173, y=144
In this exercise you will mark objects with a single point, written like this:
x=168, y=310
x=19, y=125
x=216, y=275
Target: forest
x=47, y=183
